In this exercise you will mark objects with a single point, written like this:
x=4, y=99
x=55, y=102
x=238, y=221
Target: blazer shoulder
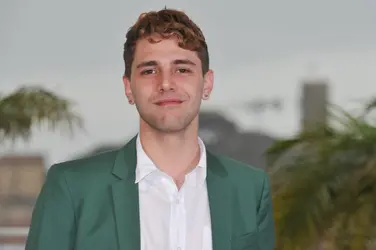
x=246, y=179
x=85, y=175
x=98, y=163
x=243, y=173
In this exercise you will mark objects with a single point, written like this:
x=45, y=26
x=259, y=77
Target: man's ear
x=128, y=91
x=208, y=84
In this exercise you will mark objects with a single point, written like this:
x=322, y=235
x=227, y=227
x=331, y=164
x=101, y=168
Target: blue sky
x=259, y=49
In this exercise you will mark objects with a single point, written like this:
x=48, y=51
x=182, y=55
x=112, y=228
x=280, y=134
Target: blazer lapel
x=219, y=192
x=125, y=198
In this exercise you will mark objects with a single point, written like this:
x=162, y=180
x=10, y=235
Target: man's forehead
x=163, y=52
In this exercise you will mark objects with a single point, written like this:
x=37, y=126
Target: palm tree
x=324, y=184
x=27, y=107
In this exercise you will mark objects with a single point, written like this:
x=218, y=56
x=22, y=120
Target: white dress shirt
x=172, y=219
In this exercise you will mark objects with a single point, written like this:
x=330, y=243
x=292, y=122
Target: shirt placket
x=178, y=221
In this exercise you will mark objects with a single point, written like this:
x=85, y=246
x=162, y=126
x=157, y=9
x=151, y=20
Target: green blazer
x=92, y=204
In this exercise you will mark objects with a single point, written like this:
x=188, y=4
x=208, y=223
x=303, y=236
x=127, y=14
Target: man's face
x=167, y=84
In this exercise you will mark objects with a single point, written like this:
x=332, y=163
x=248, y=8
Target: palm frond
x=354, y=228
x=371, y=105
x=306, y=204
x=331, y=176
x=27, y=107
x=297, y=143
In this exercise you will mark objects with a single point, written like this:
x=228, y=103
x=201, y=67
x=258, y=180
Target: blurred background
x=294, y=89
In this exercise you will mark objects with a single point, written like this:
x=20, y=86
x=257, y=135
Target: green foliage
x=27, y=107
x=325, y=184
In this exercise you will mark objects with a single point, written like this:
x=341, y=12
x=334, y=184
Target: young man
x=162, y=190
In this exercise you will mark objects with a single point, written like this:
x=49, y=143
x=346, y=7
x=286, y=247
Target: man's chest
x=130, y=216
x=172, y=218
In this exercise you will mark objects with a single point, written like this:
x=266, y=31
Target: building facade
x=21, y=178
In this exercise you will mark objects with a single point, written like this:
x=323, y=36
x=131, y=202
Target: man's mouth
x=169, y=102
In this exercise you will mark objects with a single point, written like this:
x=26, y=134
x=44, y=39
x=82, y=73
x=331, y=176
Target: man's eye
x=148, y=72
x=183, y=70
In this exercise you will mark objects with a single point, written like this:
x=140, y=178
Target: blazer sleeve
x=53, y=219
x=265, y=220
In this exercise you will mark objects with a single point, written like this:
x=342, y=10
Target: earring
x=206, y=96
x=130, y=101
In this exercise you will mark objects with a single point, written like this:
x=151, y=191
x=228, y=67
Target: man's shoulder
x=241, y=171
x=246, y=179
x=100, y=163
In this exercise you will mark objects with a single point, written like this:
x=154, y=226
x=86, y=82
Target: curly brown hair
x=166, y=23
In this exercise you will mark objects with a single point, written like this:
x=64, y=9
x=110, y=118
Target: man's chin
x=169, y=128
x=167, y=122
x=169, y=125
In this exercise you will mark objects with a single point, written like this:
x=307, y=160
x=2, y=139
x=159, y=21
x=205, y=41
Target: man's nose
x=166, y=83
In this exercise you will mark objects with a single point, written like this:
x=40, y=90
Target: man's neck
x=176, y=154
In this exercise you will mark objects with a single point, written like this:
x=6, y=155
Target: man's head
x=166, y=69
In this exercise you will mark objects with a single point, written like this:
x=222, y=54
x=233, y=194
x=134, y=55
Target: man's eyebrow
x=155, y=63
x=184, y=61
x=146, y=64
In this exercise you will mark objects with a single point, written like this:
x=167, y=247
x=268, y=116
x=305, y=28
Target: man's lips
x=166, y=102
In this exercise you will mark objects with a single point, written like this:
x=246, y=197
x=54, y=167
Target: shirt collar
x=145, y=165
